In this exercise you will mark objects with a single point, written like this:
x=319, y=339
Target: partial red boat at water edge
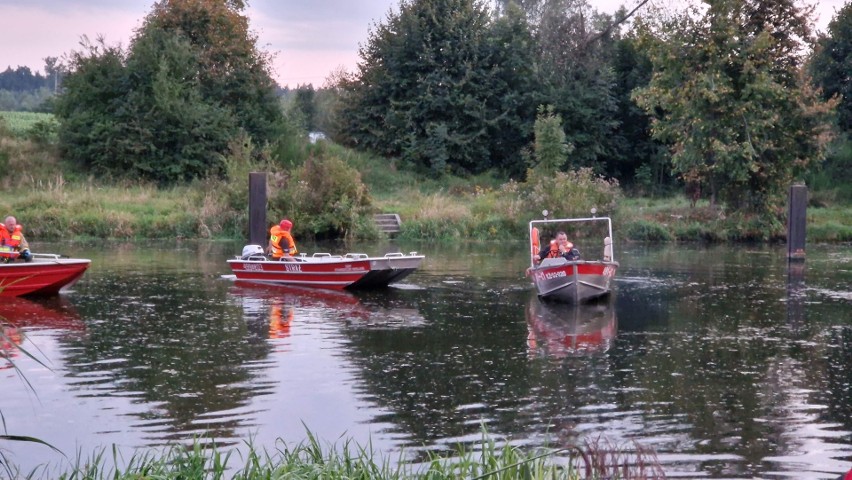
x=46, y=274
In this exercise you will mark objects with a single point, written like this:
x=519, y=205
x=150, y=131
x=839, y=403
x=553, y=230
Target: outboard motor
x=252, y=252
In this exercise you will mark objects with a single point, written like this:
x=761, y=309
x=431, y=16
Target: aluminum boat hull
x=574, y=282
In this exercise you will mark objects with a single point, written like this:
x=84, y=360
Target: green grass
x=21, y=123
x=311, y=459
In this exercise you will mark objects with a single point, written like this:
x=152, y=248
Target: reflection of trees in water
x=733, y=361
x=169, y=343
x=467, y=366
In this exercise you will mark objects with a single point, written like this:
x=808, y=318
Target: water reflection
x=725, y=362
x=796, y=294
x=561, y=330
x=20, y=315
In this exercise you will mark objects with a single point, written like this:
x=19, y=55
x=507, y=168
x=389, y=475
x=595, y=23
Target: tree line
x=733, y=98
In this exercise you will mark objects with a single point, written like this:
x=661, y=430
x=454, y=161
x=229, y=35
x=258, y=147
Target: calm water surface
x=724, y=362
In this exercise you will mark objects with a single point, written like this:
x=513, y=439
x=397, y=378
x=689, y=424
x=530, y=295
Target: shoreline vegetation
x=202, y=459
x=331, y=192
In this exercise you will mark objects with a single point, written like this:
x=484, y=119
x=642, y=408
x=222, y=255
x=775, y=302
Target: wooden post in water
x=796, y=222
x=257, y=208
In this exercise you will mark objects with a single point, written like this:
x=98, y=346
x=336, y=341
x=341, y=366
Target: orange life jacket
x=281, y=240
x=279, y=325
x=553, y=252
x=9, y=242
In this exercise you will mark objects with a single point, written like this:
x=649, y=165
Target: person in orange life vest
x=281, y=244
x=12, y=241
x=559, y=247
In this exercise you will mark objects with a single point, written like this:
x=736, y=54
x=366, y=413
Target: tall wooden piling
x=257, y=208
x=796, y=222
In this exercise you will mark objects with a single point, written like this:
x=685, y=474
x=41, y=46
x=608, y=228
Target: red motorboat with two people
x=323, y=270
x=558, y=270
x=42, y=275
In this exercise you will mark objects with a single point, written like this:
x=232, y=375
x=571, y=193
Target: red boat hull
x=40, y=277
x=328, y=272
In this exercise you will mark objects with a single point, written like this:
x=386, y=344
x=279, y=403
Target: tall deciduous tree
x=169, y=108
x=730, y=100
x=230, y=66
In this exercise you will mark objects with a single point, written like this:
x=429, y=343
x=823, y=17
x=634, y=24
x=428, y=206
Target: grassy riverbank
x=476, y=210
x=332, y=191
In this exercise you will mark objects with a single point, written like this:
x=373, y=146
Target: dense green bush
x=570, y=194
x=325, y=197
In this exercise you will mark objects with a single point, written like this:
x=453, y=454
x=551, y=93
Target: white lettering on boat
x=293, y=267
x=253, y=267
x=609, y=271
x=549, y=275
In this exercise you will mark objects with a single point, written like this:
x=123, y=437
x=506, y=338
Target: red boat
x=323, y=270
x=574, y=280
x=46, y=274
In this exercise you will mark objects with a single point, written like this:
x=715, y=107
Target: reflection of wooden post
x=257, y=208
x=796, y=294
x=796, y=222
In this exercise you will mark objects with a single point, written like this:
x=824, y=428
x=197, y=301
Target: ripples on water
x=722, y=361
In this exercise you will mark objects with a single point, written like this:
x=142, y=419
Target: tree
x=551, y=150
x=231, y=69
x=511, y=49
x=431, y=88
x=169, y=108
x=722, y=98
x=638, y=158
x=304, y=107
x=832, y=62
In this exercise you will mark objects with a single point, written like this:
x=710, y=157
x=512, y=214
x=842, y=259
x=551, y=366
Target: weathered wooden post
x=796, y=222
x=257, y=208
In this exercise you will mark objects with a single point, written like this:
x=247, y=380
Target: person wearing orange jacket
x=281, y=244
x=559, y=247
x=12, y=241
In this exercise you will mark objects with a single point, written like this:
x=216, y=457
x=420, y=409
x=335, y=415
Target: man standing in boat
x=560, y=247
x=12, y=241
x=281, y=244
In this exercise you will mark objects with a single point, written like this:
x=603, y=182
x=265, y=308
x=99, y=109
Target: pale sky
x=310, y=38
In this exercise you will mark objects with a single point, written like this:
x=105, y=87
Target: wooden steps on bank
x=387, y=222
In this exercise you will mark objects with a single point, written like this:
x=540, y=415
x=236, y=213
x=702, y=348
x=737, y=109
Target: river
x=723, y=360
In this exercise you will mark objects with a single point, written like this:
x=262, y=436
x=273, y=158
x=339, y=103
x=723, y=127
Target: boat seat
x=607, y=252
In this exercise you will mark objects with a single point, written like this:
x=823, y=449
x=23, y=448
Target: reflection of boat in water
x=17, y=315
x=46, y=274
x=279, y=305
x=53, y=313
x=322, y=270
x=294, y=295
x=560, y=330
